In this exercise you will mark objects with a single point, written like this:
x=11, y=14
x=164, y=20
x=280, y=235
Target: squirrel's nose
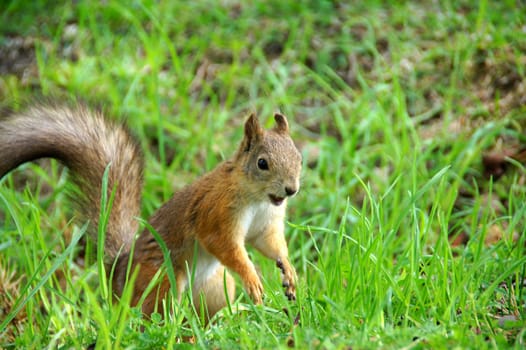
x=290, y=191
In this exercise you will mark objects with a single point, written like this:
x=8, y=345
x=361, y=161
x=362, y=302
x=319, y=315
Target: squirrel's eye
x=262, y=164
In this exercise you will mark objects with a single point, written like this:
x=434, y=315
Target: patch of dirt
x=17, y=57
x=496, y=162
x=496, y=81
x=18, y=54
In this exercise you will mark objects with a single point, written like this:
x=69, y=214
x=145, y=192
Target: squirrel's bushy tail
x=86, y=142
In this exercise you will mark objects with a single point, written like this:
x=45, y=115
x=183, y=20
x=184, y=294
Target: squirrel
x=205, y=225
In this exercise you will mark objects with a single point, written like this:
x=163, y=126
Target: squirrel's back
x=86, y=142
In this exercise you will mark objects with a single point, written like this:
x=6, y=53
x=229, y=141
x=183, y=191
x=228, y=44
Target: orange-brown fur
x=240, y=201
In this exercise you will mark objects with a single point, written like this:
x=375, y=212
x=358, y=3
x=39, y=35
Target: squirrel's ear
x=253, y=132
x=282, y=125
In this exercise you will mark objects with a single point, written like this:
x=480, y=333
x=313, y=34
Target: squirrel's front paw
x=288, y=278
x=254, y=289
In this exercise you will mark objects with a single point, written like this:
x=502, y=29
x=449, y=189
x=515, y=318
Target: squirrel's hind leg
x=212, y=292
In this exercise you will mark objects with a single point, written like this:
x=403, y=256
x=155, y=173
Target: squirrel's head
x=270, y=160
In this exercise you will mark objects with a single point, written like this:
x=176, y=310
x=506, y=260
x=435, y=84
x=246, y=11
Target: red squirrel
x=243, y=200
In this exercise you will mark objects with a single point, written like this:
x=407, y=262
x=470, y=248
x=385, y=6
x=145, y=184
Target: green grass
x=393, y=105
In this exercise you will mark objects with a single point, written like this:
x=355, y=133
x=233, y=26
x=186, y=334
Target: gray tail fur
x=86, y=142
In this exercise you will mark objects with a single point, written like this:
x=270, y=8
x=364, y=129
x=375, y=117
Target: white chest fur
x=256, y=217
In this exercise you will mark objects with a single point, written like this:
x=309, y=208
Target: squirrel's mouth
x=276, y=200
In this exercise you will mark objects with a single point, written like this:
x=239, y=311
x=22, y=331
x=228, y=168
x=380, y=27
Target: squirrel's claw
x=288, y=278
x=255, y=291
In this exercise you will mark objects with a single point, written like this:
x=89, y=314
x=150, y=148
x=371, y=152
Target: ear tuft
x=282, y=126
x=253, y=132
